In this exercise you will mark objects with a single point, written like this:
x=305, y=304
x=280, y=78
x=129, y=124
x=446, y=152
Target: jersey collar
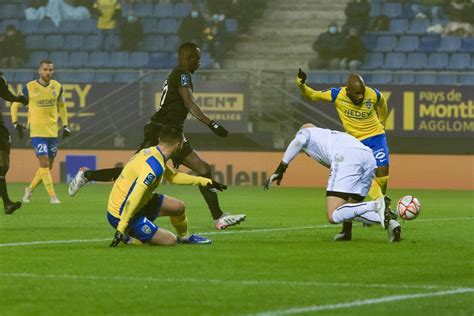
x=164, y=157
x=37, y=80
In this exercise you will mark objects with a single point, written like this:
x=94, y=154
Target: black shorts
x=5, y=139
x=346, y=196
x=151, y=133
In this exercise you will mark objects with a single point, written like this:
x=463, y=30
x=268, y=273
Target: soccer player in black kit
x=5, y=94
x=177, y=101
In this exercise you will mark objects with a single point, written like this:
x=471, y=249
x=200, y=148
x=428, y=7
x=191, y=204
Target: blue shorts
x=141, y=225
x=45, y=146
x=378, y=144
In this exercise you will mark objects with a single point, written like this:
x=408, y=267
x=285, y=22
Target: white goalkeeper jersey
x=322, y=145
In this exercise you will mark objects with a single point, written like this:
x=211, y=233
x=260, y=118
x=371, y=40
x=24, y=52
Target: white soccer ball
x=408, y=207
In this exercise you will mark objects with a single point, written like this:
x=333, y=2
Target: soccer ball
x=408, y=207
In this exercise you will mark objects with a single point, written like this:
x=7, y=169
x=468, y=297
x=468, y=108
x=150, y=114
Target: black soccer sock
x=103, y=175
x=211, y=199
x=3, y=187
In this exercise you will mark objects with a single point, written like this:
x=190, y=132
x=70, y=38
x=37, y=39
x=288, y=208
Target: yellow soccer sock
x=36, y=180
x=134, y=241
x=47, y=181
x=375, y=191
x=180, y=223
x=382, y=182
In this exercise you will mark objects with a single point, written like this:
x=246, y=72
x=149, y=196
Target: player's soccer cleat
x=383, y=210
x=227, y=220
x=54, y=200
x=194, y=240
x=12, y=207
x=394, y=231
x=346, y=232
x=391, y=213
x=27, y=196
x=78, y=182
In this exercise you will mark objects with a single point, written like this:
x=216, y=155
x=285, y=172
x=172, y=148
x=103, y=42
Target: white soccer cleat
x=227, y=220
x=394, y=231
x=380, y=209
x=54, y=200
x=27, y=196
x=78, y=182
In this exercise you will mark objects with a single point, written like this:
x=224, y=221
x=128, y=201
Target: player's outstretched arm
x=188, y=100
x=7, y=95
x=309, y=93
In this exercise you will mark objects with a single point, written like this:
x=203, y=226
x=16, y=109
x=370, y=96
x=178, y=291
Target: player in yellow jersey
x=133, y=206
x=45, y=100
x=363, y=113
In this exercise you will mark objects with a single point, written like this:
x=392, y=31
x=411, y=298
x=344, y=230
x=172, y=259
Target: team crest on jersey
x=146, y=229
x=368, y=104
x=185, y=79
x=149, y=179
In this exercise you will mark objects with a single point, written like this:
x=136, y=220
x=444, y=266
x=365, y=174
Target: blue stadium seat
x=77, y=59
x=167, y=26
x=425, y=79
x=92, y=42
x=118, y=60
x=68, y=27
x=35, y=42
x=143, y=10
x=467, y=44
x=206, y=61
x=429, y=43
x=386, y=43
x=459, y=61
x=150, y=26
x=394, y=60
x=126, y=8
x=103, y=77
x=4, y=23
x=47, y=27
x=9, y=75
x=419, y=26
x=375, y=9
x=408, y=43
x=98, y=59
x=36, y=57
x=232, y=26
x=54, y=42
x=8, y=11
x=171, y=43
x=138, y=59
x=126, y=76
x=416, y=61
x=59, y=58
x=450, y=44
x=154, y=43
x=372, y=61
x=437, y=61
x=406, y=79
x=29, y=26
x=318, y=77
x=87, y=27
x=392, y=10
x=370, y=41
x=466, y=79
x=163, y=10
x=75, y=77
x=447, y=79
x=383, y=78
x=398, y=26
x=181, y=10
x=74, y=42
x=158, y=60
x=24, y=76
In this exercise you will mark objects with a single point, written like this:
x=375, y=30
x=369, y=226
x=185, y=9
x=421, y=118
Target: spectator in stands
x=357, y=15
x=461, y=13
x=131, y=33
x=215, y=37
x=354, y=52
x=432, y=9
x=329, y=47
x=108, y=11
x=13, y=52
x=36, y=9
x=192, y=28
x=58, y=10
x=379, y=24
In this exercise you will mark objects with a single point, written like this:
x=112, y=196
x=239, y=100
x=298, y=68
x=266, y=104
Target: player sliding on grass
x=352, y=168
x=133, y=206
x=177, y=101
x=363, y=112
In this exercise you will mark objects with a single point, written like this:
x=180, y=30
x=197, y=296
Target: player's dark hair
x=171, y=134
x=45, y=61
x=187, y=49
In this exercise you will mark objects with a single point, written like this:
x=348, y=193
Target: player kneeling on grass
x=352, y=169
x=133, y=206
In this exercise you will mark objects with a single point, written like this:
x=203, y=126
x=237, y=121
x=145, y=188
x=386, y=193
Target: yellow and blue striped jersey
x=361, y=121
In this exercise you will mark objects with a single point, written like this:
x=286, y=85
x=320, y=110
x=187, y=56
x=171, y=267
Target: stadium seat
x=415, y=61
x=150, y=26
x=375, y=9
x=143, y=10
x=318, y=77
x=8, y=11
x=75, y=77
x=370, y=41
x=47, y=27
x=167, y=26
x=138, y=60
x=171, y=43
x=163, y=10
x=429, y=43
x=126, y=76
x=67, y=27
x=392, y=10
x=77, y=59
x=467, y=44
x=383, y=78
x=117, y=60
x=103, y=77
x=36, y=57
x=15, y=22
x=406, y=79
x=206, y=61
x=29, y=26
x=153, y=43
x=394, y=60
x=24, y=76
x=466, y=79
x=450, y=44
x=386, y=43
x=59, y=58
x=54, y=42
x=447, y=79
x=437, y=61
x=74, y=42
x=372, y=61
x=425, y=79
x=92, y=42
x=232, y=26
x=98, y=59
x=419, y=26
x=35, y=42
x=180, y=10
x=398, y=26
x=459, y=61
x=408, y=43
x=87, y=27
x=158, y=60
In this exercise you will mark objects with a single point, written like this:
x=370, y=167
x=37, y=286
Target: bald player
x=363, y=113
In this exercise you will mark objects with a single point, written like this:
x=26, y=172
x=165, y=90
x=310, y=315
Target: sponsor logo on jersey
x=149, y=179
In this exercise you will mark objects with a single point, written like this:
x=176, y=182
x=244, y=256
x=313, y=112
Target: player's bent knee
x=329, y=213
x=163, y=237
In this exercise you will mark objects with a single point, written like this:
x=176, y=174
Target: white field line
x=227, y=232
x=216, y=281
x=384, y=299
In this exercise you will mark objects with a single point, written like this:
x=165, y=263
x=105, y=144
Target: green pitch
x=281, y=260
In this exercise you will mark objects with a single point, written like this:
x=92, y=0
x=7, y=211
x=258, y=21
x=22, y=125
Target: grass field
x=282, y=260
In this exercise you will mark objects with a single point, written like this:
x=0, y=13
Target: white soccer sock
x=369, y=218
x=349, y=211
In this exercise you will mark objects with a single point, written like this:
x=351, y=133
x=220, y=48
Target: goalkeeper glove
x=218, y=129
x=117, y=239
x=217, y=186
x=66, y=131
x=20, y=129
x=301, y=76
x=276, y=176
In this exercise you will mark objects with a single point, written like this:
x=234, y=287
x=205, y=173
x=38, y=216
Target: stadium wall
x=251, y=168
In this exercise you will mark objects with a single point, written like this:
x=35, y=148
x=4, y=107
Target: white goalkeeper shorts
x=352, y=171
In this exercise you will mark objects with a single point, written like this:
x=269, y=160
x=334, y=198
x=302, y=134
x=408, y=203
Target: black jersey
x=172, y=109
